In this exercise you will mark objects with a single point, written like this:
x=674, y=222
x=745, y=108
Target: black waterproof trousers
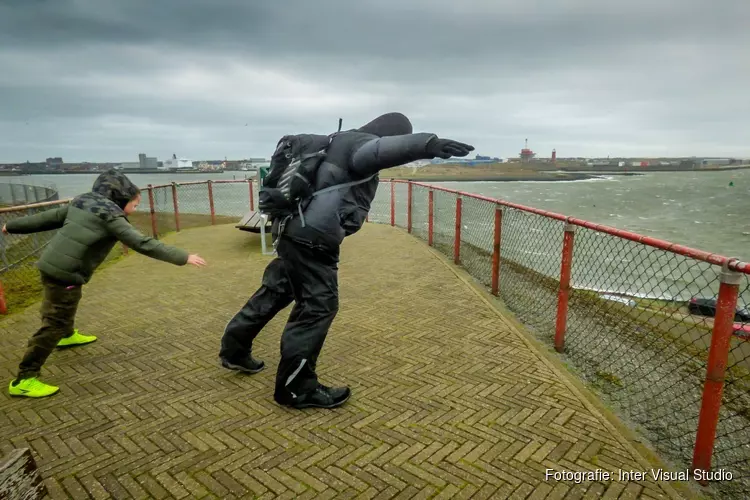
x=303, y=273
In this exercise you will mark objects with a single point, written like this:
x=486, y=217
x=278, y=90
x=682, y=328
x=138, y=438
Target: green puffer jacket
x=89, y=227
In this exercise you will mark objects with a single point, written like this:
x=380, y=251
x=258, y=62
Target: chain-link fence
x=13, y=194
x=636, y=321
x=163, y=209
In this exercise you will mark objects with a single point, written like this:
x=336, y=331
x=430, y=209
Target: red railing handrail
x=21, y=208
x=189, y=183
x=708, y=257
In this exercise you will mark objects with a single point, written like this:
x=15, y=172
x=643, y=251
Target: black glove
x=445, y=148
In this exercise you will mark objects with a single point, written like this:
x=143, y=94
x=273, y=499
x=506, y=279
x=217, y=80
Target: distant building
x=177, y=164
x=55, y=162
x=148, y=162
x=526, y=154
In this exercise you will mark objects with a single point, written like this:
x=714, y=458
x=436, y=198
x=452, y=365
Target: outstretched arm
x=386, y=152
x=43, y=221
x=146, y=245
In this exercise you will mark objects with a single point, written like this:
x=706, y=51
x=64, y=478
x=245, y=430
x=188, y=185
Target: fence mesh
x=18, y=255
x=443, y=221
x=420, y=211
x=632, y=336
x=401, y=197
x=19, y=252
x=380, y=208
x=477, y=238
x=231, y=200
x=635, y=331
x=12, y=194
x=531, y=253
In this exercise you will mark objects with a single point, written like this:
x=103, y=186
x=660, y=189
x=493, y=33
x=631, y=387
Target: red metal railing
x=710, y=406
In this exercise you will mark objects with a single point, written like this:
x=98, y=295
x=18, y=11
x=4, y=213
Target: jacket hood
x=387, y=125
x=115, y=186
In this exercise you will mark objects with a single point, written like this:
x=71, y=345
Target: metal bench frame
x=256, y=222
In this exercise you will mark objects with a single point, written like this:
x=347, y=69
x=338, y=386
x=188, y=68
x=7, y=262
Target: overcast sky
x=103, y=80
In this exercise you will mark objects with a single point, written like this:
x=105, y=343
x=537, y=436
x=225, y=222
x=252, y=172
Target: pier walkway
x=450, y=398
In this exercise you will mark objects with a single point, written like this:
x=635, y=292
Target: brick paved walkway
x=448, y=400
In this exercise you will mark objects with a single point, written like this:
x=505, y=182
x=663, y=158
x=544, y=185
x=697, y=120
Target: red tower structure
x=554, y=156
x=527, y=154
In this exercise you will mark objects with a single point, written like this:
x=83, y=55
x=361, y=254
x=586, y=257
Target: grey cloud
x=588, y=77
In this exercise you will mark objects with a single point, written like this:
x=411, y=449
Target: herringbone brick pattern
x=448, y=401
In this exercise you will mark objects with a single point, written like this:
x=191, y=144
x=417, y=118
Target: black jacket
x=356, y=154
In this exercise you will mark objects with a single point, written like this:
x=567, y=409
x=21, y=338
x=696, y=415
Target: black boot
x=320, y=397
x=246, y=365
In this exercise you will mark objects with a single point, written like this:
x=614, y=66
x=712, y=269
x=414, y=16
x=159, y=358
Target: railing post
x=3, y=304
x=496, y=251
x=3, y=253
x=176, y=208
x=564, y=291
x=252, y=199
x=457, y=240
x=718, y=354
x=393, y=203
x=430, y=217
x=154, y=231
x=211, y=202
x=408, y=208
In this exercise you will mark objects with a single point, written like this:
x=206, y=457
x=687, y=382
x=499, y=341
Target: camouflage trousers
x=59, y=307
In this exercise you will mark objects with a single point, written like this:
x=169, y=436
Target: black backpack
x=289, y=185
x=291, y=178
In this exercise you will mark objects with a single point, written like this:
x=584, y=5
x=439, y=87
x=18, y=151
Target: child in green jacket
x=89, y=227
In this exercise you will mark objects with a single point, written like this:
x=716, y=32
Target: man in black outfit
x=306, y=269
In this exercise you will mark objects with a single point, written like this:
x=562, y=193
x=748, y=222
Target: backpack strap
x=344, y=185
x=335, y=187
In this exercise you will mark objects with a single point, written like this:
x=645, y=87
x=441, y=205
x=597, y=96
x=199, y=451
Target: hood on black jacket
x=387, y=125
x=115, y=186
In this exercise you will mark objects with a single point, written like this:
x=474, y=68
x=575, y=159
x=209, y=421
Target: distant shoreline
x=466, y=174
x=530, y=177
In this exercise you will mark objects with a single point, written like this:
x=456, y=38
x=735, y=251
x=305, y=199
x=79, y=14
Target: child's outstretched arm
x=43, y=221
x=150, y=247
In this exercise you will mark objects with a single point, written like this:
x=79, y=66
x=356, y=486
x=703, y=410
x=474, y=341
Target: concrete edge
x=627, y=437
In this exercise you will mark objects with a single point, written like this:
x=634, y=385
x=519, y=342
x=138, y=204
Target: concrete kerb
x=645, y=455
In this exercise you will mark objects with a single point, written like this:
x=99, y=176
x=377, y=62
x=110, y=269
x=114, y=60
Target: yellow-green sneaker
x=31, y=388
x=76, y=339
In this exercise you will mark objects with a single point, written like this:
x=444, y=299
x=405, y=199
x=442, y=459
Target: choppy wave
x=631, y=295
